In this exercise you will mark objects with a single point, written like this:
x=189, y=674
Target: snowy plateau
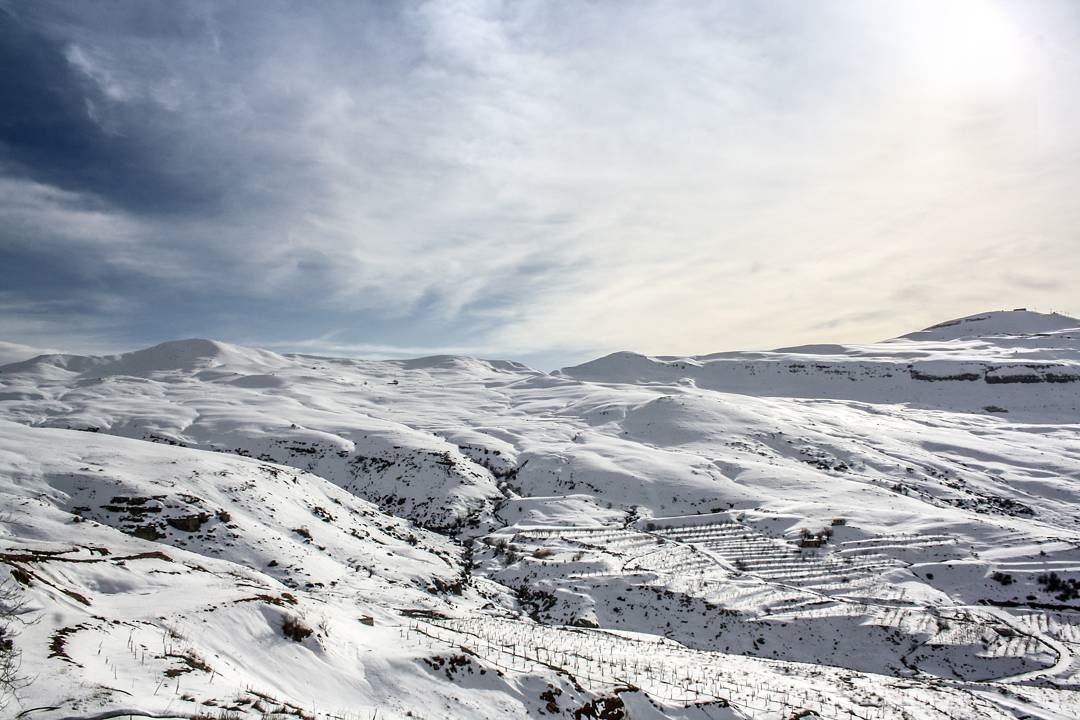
x=891, y=530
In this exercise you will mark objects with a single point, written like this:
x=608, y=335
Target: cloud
x=14, y=352
x=71, y=124
x=521, y=178
x=83, y=325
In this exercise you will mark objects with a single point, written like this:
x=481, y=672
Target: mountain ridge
x=185, y=353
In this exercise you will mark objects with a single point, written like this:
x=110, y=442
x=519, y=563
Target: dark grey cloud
x=61, y=128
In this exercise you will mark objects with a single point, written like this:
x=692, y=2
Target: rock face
x=821, y=529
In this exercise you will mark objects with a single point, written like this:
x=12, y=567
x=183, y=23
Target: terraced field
x=668, y=671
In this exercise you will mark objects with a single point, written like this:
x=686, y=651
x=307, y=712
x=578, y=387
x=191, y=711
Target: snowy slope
x=252, y=402
x=1020, y=362
x=878, y=529
x=1015, y=324
x=164, y=579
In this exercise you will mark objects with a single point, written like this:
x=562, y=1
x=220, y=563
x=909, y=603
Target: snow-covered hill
x=1021, y=362
x=885, y=530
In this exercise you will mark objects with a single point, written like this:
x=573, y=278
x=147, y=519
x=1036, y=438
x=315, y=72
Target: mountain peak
x=1018, y=322
x=187, y=354
x=186, y=348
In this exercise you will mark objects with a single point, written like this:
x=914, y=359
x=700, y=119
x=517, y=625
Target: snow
x=14, y=352
x=972, y=364
x=1001, y=323
x=857, y=531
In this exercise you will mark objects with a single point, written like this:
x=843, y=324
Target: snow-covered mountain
x=970, y=364
x=874, y=531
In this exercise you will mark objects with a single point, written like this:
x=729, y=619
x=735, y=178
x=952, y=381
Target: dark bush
x=295, y=629
x=1062, y=588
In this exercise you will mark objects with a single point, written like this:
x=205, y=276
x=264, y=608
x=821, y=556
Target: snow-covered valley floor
x=878, y=531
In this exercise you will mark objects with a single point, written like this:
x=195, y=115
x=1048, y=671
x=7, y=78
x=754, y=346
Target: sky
x=540, y=181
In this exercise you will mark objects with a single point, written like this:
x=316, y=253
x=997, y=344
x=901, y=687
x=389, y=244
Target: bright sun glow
x=968, y=47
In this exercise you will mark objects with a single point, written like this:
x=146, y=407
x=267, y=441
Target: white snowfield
x=876, y=531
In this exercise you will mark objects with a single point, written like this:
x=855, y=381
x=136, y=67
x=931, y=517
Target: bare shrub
x=295, y=628
x=11, y=608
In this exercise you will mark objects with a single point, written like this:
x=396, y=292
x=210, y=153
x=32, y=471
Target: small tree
x=11, y=606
